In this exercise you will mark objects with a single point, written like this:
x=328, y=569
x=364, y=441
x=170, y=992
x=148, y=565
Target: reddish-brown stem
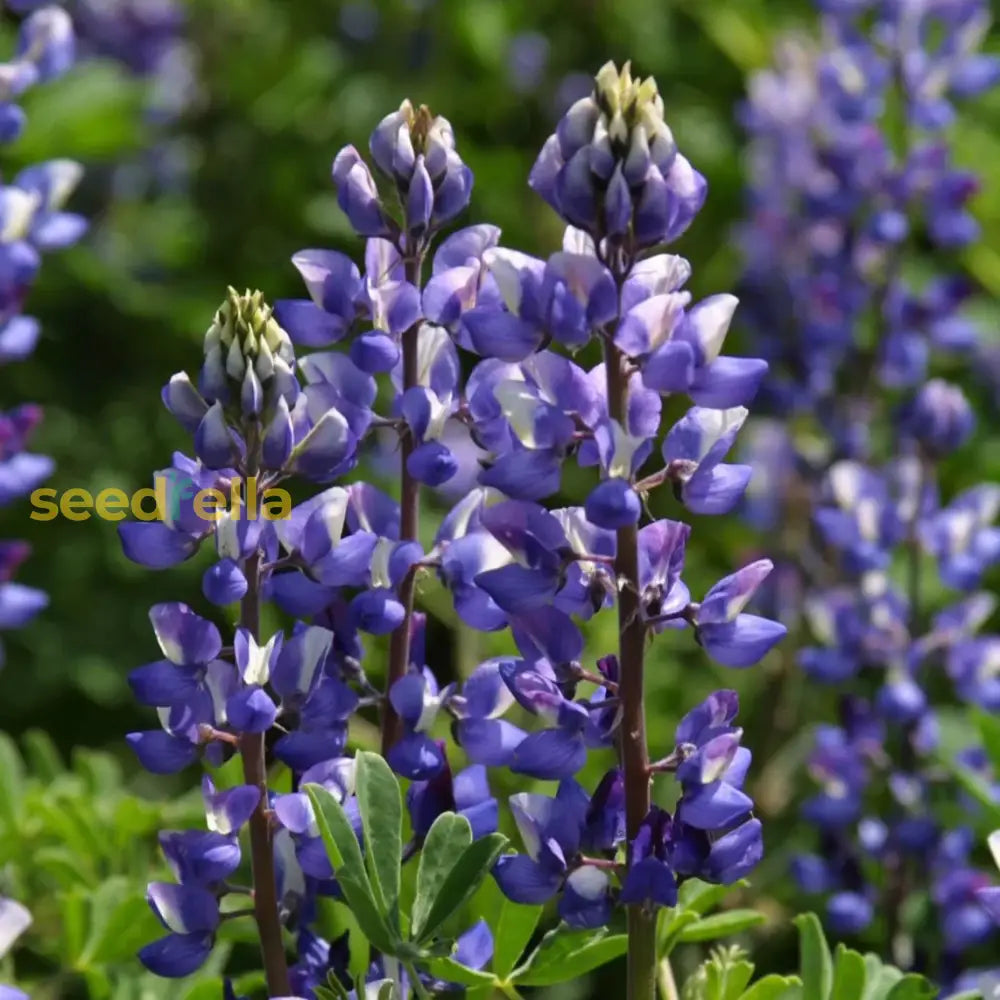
x=409, y=523
x=641, y=975
x=254, y=754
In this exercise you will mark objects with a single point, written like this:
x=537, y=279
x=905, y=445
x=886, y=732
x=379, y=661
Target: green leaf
x=670, y=925
x=722, y=977
x=344, y=852
x=989, y=733
x=463, y=880
x=207, y=989
x=732, y=978
x=454, y=972
x=446, y=841
x=913, y=987
x=382, y=817
x=975, y=786
x=721, y=925
x=75, y=920
x=564, y=955
x=511, y=933
x=42, y=755
x=703, y=896
x=881, y=978
x=121, y=923
x=814, y=957
x=775, y=988
x=849, y=974
x=96, y=114
x=11, y=781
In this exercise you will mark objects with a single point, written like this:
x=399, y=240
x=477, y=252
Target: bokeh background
x=214, y=169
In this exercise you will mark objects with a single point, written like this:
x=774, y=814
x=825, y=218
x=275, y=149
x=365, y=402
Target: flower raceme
x=32, y=223
x=343, y=566
x=853, y=181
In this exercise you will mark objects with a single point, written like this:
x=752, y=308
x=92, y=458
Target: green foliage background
x=281, y=90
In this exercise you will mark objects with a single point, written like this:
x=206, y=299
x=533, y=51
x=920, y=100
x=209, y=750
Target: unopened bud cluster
x=248, y=356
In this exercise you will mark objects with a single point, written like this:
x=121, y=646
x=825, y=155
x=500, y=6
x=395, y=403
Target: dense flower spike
x=345, y=562
x=852, y=180
x=32, y=223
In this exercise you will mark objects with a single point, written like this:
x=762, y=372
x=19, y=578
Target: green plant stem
x=665, y=978
x=418, y=987
x=641, y=962
x=509, y=990
x=409, y=523
x=254, y=755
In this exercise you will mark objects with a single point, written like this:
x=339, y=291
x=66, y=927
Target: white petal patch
x=519, y=404
x=589, y=882
x=380, y=563
x=258, y=668
x=14, y=921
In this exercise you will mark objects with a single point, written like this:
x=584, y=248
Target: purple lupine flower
x=651, y=188
x=417, y=700
x=551, y=830
x=32, y=223
x=651, y=881
x=345, y=561
x=694, y=449
x=733, y=638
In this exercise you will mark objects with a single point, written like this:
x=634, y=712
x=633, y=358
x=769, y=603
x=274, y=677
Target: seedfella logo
x=167, y=500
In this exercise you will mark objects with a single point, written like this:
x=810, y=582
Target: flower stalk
x=409, y=523
x=253, y=751
x=641, y=968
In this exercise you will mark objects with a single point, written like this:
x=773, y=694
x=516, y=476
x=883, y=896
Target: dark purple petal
x=549, y=754
x=613, y=504
x=251, y=710
x=502, y=335
x=727, y=382
x=650, y=882
x=714, y=806
x=177, y=955
x=586, y=898
x=416, y=756
x=743, y=642
x=489, y=741
x=161, y=753
x=153, y=544
x=183, y=909
x=525, y=881
x=307, y=324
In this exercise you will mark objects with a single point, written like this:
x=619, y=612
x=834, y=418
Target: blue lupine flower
x=551, y=831
x=467, y=793
x=345, y=561
x=733, y=638
x=417, y=700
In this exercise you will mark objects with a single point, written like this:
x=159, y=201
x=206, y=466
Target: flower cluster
x=572, y=839
x=146, y=36
x=345, y=563
x=843, y=197
x=31, y=223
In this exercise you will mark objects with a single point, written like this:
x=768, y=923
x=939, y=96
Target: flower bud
x=612, y=167
x=249, y=358
x=939, y=418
